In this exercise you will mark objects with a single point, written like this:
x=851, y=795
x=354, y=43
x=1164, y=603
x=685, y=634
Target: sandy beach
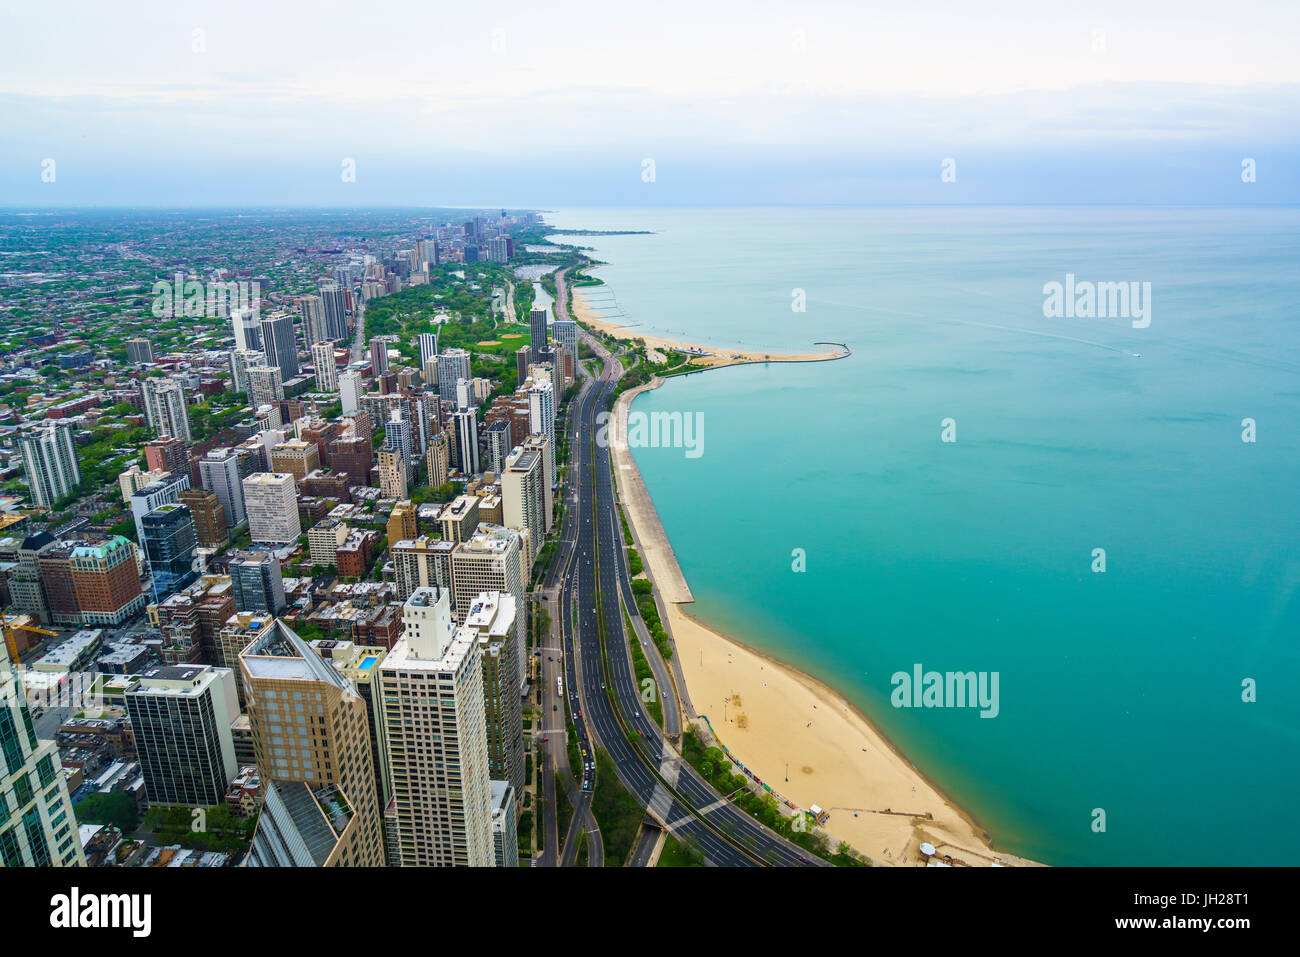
x=773, y=717
x=718, y=356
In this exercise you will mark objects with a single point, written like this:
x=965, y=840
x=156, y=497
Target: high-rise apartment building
x=37, y=825
x=324, y=539
x=523, y=498
x=155, y=495
x=537, y=330
x=241, y=360
x=490, y=560
x=166, y=455
x=222, y=471
x=452, y=365
x=541, y=415
x=296, y=457
x=505, y=824
x=492, y=618
x=327, y=373
x=311, y=309
x=50, y=458
x=428, y=343
x=209, y=516
x=378, y=356
x=421, y=562
x=280, y=344
x=435, y=730
x=565, y=332
x=392, y=474
x=181, y=717
x=403, y=522
x=350, y=391
x=265, y=385
x=438, y=460
x=257, y=582
x=498, y=444
x=248, y=329
x=334, y=299
x=466, y=426
x=272, y=508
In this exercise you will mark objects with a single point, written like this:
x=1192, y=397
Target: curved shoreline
x=852, y=767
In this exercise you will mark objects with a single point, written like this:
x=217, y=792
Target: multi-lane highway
x=600, y=682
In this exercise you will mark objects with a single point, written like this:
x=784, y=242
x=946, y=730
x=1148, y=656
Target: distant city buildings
x=139, y=351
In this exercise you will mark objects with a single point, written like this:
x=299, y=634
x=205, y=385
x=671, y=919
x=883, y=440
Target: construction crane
x=11, y=625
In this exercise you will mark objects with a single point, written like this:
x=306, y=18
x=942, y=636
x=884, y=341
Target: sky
x=557, y=103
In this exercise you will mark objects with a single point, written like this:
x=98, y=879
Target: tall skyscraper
x=334, y=300
x=280, y=344
x=378, y=356
x=522, y=496
x=257, y=582
x=169, y=542
x=181, y=716
x=537, y=330
x=438, y=755
x=428, y=342
x=497, y=435
x=50, y=458
x=241, y=360
x=248, y=329
x=155, y=495
x=565, y=332
x=272, y=508
x=311, y=735
x=37, y=826
x=452, y=365
x=541, y=416
x=523, y=359
x=350, y=391
x=165, y=407
x=220, y=472
x=314, y=327
x=438, y=460
x=466, y=424
x=327, y=373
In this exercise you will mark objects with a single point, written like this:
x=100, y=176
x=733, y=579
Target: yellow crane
x=11, y=625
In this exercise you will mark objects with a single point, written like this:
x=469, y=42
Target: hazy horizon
x=240, y=104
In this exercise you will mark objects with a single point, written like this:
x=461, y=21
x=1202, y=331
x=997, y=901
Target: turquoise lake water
x=1119, y=690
